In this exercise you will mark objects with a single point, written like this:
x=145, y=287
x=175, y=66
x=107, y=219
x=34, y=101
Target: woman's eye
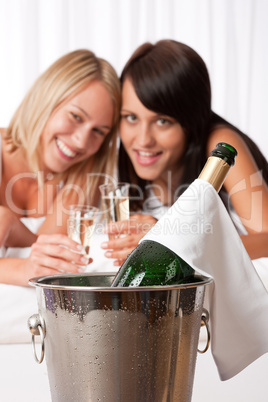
x=131, y=118
x=163, y=122
x=76, y=116
x=98, y=131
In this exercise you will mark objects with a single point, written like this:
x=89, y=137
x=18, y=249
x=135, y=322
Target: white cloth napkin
x=198, y=228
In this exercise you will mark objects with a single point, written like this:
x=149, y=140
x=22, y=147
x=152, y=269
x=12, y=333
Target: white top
x=152, y=206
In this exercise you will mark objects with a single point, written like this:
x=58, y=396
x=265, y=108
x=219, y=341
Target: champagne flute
x=115, y=199
x=81, y=224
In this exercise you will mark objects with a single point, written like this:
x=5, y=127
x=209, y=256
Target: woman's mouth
x=147, y=158
x=65, y=150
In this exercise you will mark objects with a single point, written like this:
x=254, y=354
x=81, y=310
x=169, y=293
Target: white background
x=230, y=35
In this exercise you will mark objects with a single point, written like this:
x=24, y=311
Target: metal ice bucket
x=118, y=344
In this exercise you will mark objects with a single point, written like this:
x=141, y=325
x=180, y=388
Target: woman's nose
x=145, y=137
x=81, y=137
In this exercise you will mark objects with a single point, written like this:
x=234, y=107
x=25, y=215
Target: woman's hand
x=125, y=236
x=58, y=253
x=50, y=255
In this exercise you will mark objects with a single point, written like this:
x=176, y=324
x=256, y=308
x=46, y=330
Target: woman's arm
x=247, y=191
x=256, y=245
x=13, y=233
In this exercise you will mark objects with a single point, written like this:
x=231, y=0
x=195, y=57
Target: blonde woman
x=53, y=154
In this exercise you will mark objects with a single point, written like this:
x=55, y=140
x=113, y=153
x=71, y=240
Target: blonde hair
x=62, y=80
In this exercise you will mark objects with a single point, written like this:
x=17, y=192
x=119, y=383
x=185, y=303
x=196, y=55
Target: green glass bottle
x=153, y=264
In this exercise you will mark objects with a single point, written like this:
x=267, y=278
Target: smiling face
x=155, y=143
x=77, y=128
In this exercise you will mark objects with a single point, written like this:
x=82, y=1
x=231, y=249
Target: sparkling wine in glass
x=81, y=224
x=115, y=199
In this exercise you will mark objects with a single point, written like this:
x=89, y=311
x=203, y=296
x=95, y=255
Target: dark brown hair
x=170, y=78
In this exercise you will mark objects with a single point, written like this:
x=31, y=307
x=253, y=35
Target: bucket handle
x=37, y=327
x=204, y=321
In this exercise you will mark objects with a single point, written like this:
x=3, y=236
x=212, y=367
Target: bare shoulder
x=245, y=162
x=229, y=136
x=5, y=143
x=3, y=135
x=245, y=165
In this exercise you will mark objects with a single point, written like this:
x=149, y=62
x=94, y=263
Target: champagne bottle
x=153, y=264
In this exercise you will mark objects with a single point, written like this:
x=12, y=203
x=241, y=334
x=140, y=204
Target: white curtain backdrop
x=230, y=35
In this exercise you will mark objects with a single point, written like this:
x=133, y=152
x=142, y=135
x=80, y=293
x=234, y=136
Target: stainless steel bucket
x=118, y=344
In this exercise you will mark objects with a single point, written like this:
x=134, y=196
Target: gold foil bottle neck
x=215, y=172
